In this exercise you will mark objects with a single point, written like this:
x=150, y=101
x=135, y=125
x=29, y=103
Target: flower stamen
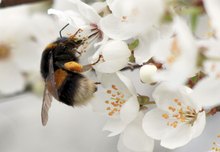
x=180, y=114
x=115, y=101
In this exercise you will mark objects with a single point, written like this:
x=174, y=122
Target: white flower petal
x=143, y=52
x=212, y=45
x=135, y=138
x=115, y=49
x=213, y=10
x=118, y=80
x=178, y=57
x=177, y=137
x=99, y=6
x=165, y=94
x=121, y=147
x=115, y=29
x=111, y=66
x=131, y=18
x=87, y=11
x=127, y=82
x=115, y=54
x=115, y=126
x=98, y=103
x=129, y=110
x=199, y=124
x=73, y=18
x=161, y=54
x=212, y=68
x=109, y=82
x=206, y=92
x=154, y=125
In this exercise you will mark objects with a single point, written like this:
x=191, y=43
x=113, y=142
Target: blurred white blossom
x=175, y=52
x=23, y=38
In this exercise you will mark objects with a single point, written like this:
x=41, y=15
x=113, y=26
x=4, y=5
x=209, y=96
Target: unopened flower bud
x=147, y=72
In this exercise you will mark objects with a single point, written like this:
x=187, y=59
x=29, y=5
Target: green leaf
x=194, y=13
x=194, y=19
x=133, y=45
x=143, y=100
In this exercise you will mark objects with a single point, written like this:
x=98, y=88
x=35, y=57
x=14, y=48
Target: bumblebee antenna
x=63, y=29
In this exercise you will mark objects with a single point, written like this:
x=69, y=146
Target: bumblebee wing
x=47, y=99
x=50, y=78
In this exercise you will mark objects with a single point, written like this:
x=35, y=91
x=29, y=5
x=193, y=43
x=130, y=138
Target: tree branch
x=7, y=3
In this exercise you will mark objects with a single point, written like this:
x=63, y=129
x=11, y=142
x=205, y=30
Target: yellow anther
x=165, y=116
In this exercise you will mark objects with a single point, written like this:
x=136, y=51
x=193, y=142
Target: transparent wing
x=50, y=84
x=47, y=99
x=50, y=78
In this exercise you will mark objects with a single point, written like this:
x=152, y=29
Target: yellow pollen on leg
x=73, y=66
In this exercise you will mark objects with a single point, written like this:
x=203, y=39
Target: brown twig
x=7, y=3
x=133, y=66
x=213, y=111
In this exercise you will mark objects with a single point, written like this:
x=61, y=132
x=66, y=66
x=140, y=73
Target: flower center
x=87, y=39
x=5, y=51
x=180, y=113
x=175, y=51
x=116, y=100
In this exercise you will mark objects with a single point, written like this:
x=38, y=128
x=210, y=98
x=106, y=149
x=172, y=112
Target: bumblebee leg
x=89, y=66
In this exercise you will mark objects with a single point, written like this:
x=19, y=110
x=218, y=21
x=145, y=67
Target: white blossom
x=130, y=18
x=178, y=55
x=133, y=138
x=81, y=16
x=111, y=57
x=118, y=101
x=211, y=64
x=23, y=39
x=180, y=115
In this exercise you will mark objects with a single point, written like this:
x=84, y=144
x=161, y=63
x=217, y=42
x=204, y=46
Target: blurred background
x=25, y=30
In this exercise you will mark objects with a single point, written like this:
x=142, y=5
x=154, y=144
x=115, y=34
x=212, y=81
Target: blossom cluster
x=157, y=61
x=178, y=60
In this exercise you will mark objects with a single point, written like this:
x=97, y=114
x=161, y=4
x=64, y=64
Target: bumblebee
x=63, y=76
